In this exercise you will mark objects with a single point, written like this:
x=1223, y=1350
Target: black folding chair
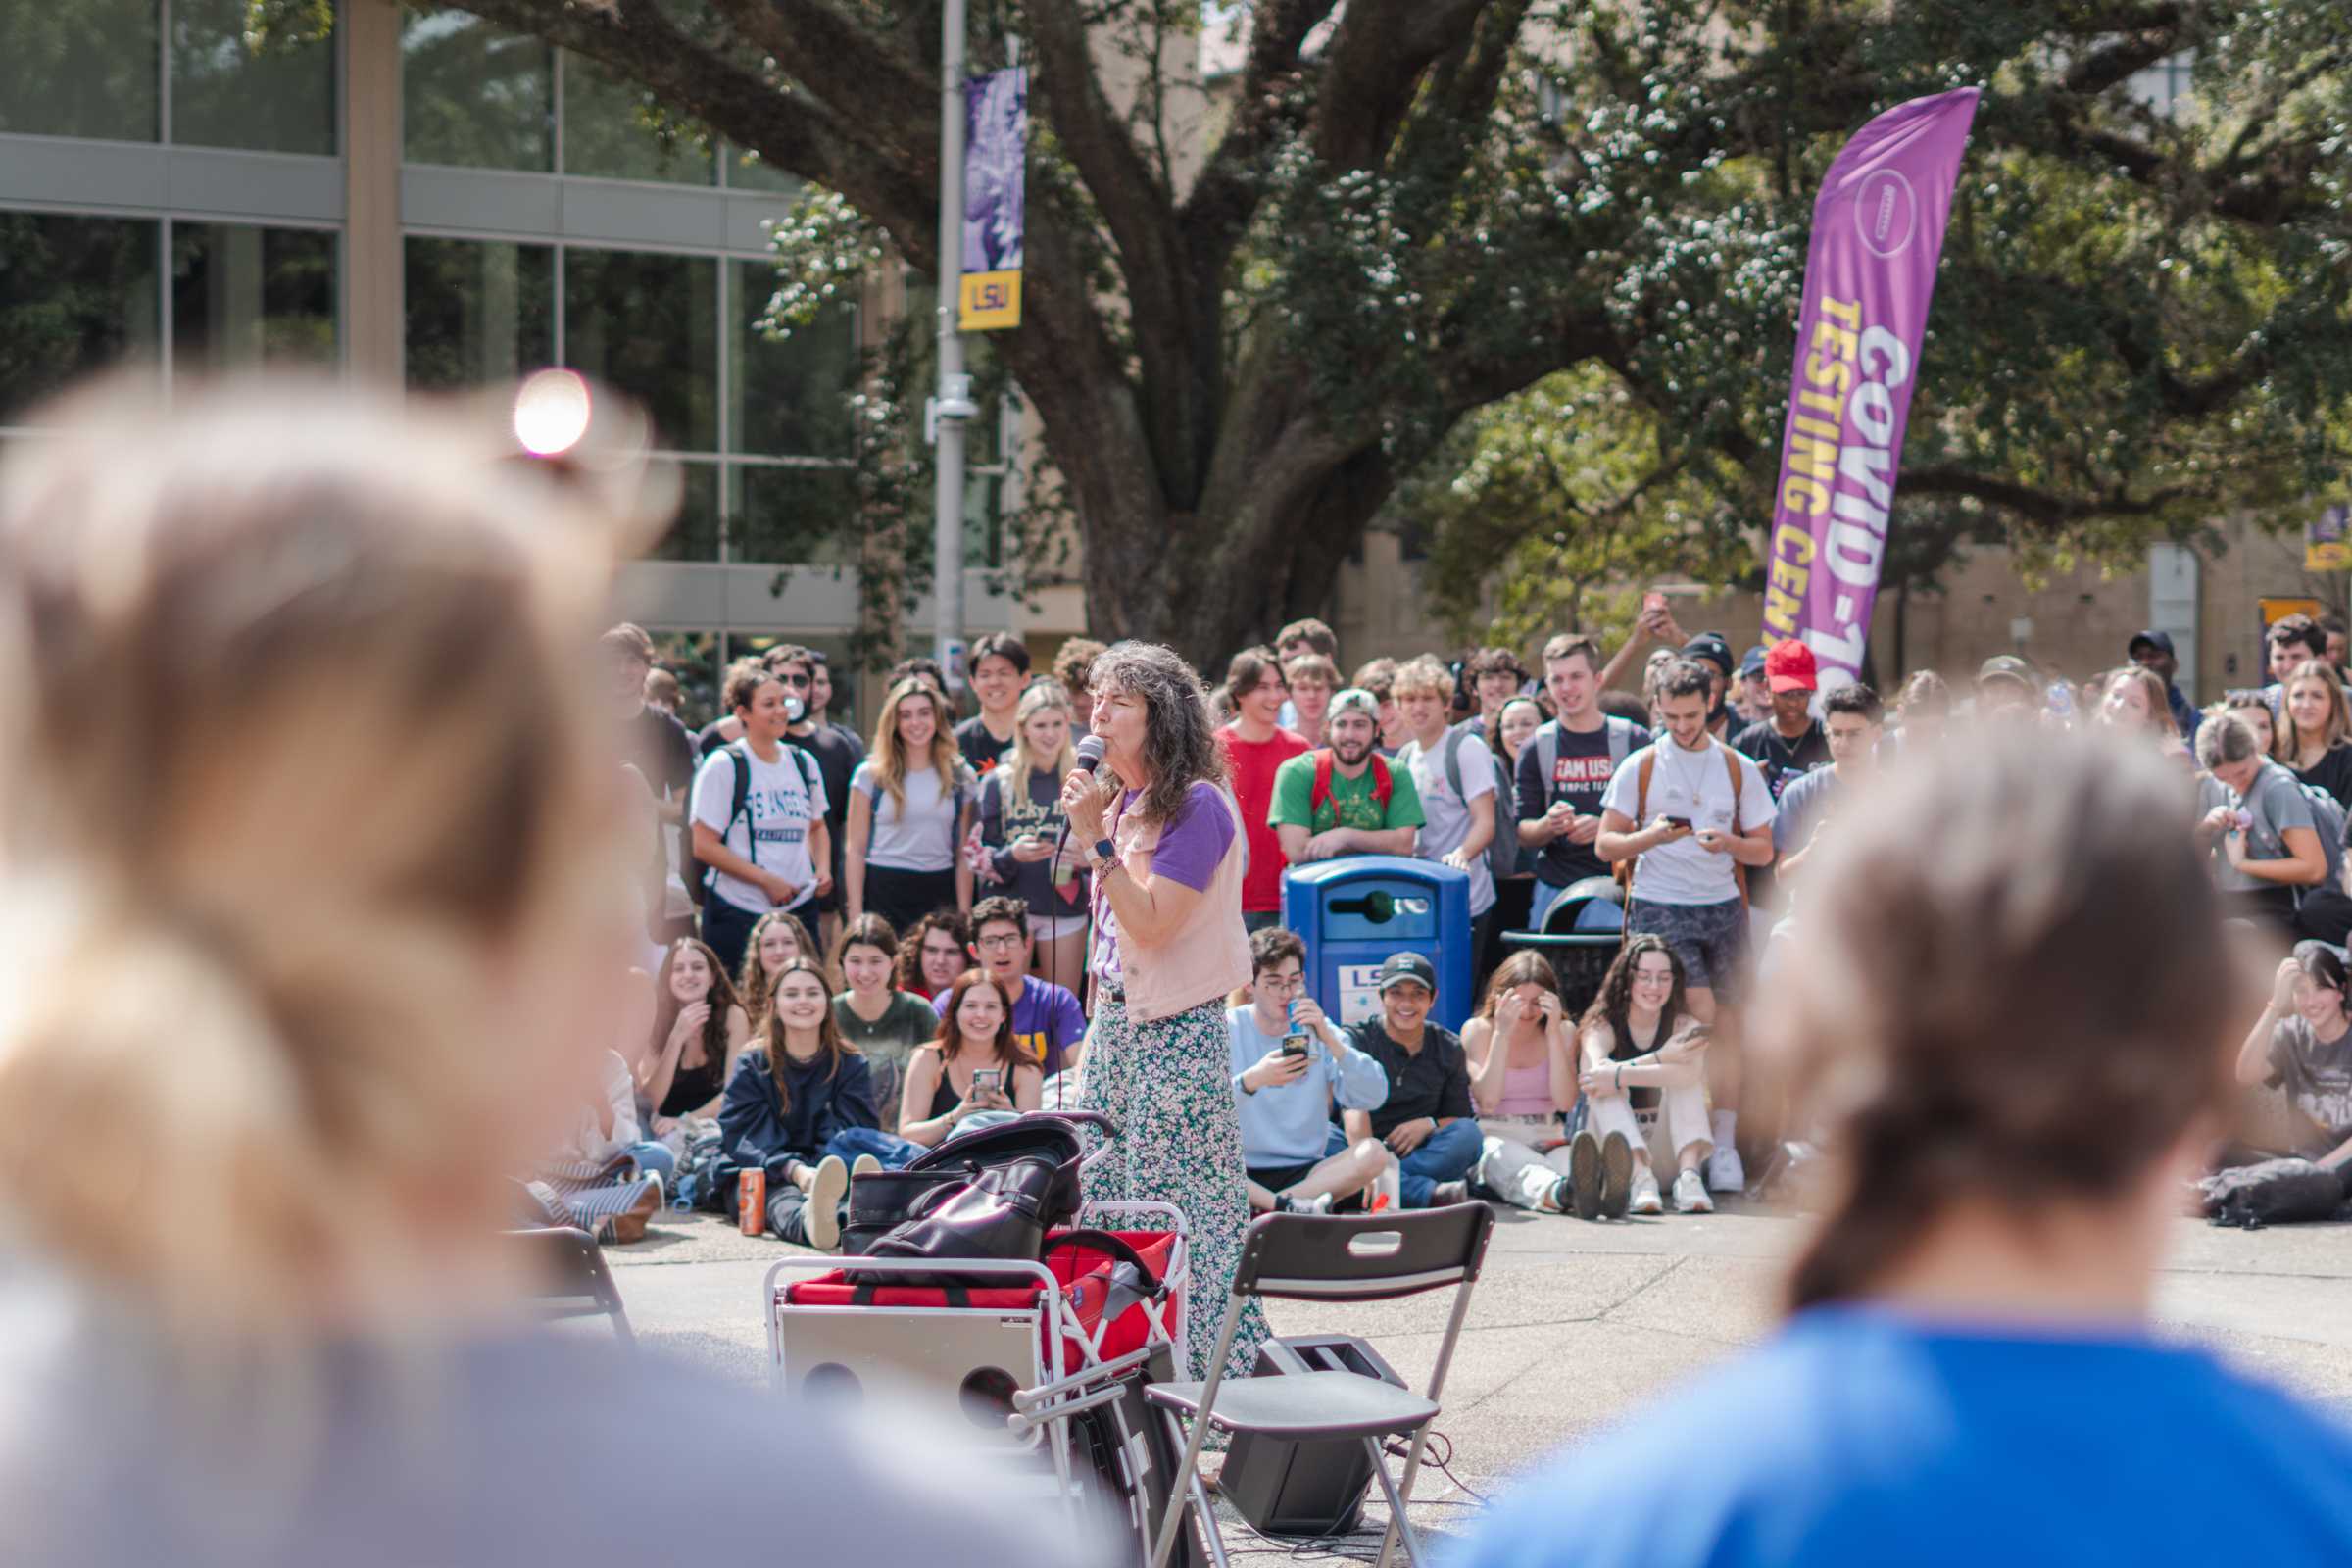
x=1328, y=1258
x=574, y=1279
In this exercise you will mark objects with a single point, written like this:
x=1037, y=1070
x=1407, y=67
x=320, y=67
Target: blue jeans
x=1446, y=1155
x=891, y=1149
x=656, y=1158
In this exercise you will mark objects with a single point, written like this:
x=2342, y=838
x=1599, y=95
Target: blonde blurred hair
x=1022, y=760
x=309, y=825
x=889, y=753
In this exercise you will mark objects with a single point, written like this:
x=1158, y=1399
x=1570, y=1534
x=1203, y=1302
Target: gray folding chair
x=1328, y=1258
x=573, y=1281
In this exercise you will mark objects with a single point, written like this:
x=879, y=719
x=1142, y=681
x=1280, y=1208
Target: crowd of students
x=923, y=879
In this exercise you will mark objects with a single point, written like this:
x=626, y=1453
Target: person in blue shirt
x=2153, y=650
x=1294, y=1157
x=2020, y=1085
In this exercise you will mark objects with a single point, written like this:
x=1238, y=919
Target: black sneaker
x=1616, y=1175
x=1583, y=1175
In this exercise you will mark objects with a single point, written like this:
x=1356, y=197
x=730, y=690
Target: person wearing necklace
x=1644, y=1077
x=1688, y=812
x=881, y=1022
x=970, y=1068
x=800, y=1106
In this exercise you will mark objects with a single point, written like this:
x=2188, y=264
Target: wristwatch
x=1106, y=855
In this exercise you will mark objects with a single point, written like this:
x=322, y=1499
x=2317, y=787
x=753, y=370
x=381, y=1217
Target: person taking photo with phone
x=971, y=1067
x=1291, y=1066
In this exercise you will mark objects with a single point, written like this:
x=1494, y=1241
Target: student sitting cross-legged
x=1428, y=1120
x=1295, y=1160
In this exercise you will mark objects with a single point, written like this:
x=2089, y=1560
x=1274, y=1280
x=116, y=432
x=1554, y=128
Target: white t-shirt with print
x=784, y=798
x=1446, y=815
x=1696, y=785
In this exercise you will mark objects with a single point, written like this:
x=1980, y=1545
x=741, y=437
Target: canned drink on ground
x=750, y=1202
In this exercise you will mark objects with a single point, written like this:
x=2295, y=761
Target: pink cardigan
x=1206, y=958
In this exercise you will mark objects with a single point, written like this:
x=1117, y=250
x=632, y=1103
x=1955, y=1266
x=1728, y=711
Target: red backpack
x=1320, y=795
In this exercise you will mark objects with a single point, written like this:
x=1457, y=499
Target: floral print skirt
x=1170, y=1086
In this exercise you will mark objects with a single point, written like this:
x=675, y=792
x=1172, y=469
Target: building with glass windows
x=413, y=194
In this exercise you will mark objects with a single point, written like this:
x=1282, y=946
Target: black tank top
x=692, y=1087
x=1621, y=1030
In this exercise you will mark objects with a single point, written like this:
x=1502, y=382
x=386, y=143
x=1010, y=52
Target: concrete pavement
x=1575, y=1324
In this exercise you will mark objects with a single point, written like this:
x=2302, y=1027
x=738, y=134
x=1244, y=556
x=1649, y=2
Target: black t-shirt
x=980, y=749
x=2332, y=772
x=1580, y=775
x=837, y=755
x=1779, y=758
x=1433, y=1081
x=658, y=746
x=710, y=738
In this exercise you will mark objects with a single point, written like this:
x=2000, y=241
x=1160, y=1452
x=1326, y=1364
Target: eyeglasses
x=797, y=682
x=1001, y=940
x=1296, y=981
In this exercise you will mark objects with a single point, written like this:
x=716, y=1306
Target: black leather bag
x=990, y=1194
x=2276, y=1191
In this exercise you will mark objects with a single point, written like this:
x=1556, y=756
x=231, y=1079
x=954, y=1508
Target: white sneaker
x=1646, y=1193
x=1725, y=1173
x=1320, y=1203
x=1690, y=1194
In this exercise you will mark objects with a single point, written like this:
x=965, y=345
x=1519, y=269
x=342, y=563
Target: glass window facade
x=270, y=92
x=77, y=294
x=610, y=134
x=244, y=295
x=789, y=396
x=648, y=323
x=478, y=311
x=473, y=97
x=91, y=67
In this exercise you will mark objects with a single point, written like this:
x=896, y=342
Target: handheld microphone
x=1090, y=754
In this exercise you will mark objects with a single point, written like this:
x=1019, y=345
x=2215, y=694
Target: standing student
x=973, y=1035
x=1564, y=773
x=2262, y=829
x=1495, y=676
x=1508, y=735
x=1453, y=775
x=910, y=806
x=758, y=818
x=1311, y=679
x=1788, y=743
x=2315, y=732
x=1045, y=1022
x=1255, y=748
x=880, y=1023
x=2152, y=651
x=837, y=749
x=658, y=746
x=1851, y=719
x=1073, y=665
x=1022, y=829
x=2023, y=1084
x=999, y=669
x=1343, y=798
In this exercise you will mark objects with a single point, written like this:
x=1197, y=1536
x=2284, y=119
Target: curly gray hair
x=1180, y=740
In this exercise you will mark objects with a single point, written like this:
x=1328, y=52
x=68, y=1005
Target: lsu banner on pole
x=1878, y=234
x=996, y=149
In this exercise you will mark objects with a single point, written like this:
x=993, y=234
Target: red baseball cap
x=1789, y=666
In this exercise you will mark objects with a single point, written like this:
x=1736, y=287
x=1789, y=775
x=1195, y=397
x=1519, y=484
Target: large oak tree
x=1412, y=208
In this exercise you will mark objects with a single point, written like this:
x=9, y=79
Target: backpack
x=2330, y=819
x=1650, y=761
x=1320, y=795
x=1504, y=857
x=701, y=873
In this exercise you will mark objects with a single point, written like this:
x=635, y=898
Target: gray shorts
x=1711, y=939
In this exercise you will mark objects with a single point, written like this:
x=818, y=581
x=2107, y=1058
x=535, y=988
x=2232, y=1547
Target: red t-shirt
x=1253, y=765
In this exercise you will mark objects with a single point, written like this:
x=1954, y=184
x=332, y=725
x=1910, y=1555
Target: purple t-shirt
x=1190, y=848
x=1046, y=1021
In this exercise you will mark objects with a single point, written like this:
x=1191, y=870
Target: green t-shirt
x=1350, y=802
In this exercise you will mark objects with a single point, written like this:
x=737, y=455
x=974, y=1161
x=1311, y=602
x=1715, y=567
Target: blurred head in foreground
x=2004, y=1065
x=309, y=894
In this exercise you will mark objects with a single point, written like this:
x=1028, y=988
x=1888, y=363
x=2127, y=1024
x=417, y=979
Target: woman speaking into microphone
x=1164, y=839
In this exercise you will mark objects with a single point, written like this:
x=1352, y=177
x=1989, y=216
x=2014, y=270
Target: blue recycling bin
x=1354, y=911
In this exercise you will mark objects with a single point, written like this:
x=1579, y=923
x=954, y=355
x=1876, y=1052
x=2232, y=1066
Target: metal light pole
x=953, y=406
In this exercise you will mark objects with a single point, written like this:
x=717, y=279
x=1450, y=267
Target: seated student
x=1646, y=1077
x=1522, y=1058
x=777, y=938
x=2302, y=1045
x=699, y=1029
x=881, y=1023
x=800, y=1106
x=943, y=1089
x=1048, y=1026
x=1428, y=1120
x=934, y=953
x=1286, y=1099
x=596, y=1178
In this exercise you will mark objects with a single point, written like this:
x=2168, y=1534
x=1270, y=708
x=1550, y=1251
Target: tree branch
x=1380, y=51
x=2047, y=508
